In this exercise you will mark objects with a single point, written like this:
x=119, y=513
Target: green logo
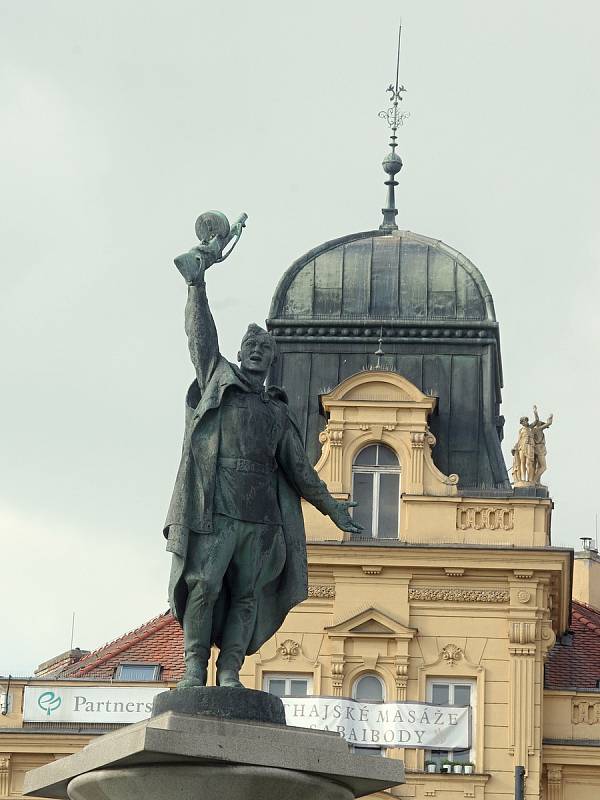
x=49, y=702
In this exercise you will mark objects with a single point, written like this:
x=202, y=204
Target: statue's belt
x=244, y=465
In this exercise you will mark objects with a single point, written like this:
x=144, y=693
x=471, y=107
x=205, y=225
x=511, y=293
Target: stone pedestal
x=214, y=755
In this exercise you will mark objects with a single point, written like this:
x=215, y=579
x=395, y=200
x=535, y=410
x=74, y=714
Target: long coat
x=191, y=509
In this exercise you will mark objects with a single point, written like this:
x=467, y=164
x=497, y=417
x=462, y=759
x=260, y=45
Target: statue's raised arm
x=217, y=240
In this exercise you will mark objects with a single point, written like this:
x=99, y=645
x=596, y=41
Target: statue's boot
x=197, y=622
x=236, y=636
x=229, y=678
x=195, y=673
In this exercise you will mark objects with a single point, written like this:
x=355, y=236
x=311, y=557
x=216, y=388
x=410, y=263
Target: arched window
x=376, y=489
x=369, y=689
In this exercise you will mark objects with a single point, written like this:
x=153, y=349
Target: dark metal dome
x=379, y=275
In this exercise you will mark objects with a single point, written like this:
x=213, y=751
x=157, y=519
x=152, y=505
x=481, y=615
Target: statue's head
x=524, y=420
x=257, y=350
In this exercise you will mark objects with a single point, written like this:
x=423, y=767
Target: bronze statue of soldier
x=235, y=525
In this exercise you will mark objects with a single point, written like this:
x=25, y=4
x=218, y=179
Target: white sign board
x=88, y=703
x=416, y=725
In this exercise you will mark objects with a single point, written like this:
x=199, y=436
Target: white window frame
x=376, y=472
x=155, y=677
x=452, y=682
x=288, y=677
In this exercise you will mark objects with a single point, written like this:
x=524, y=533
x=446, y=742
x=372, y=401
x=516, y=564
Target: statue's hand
x=341, y=517
x=191, y=267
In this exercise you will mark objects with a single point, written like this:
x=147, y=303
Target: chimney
x=60, y=662
x=586, y=574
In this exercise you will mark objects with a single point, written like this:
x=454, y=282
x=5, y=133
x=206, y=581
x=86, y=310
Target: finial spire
x=392, y=163
x=379, y=352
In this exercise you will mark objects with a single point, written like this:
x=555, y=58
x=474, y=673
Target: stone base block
x=193, y=757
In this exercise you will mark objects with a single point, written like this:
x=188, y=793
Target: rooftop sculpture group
x=529, y=453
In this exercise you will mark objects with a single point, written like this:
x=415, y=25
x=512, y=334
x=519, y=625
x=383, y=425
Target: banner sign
x=417, y=725
x=90, y=704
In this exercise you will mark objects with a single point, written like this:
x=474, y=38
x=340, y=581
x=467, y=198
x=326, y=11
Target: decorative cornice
x=359, y=329
x=321, y=590
x=453, y=594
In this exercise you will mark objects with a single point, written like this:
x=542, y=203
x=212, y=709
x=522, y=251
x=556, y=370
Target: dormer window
x=138, y=672
x=376, y=489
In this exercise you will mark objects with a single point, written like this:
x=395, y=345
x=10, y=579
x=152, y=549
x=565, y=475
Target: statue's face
x=524, y=420
x=256, y=354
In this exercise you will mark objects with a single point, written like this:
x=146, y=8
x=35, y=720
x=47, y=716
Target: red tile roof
x=576, y=665
x=159, y=641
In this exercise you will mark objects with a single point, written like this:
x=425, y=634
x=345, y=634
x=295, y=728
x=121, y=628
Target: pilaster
x=554, y=782
x=522, y=650
x=4, y=774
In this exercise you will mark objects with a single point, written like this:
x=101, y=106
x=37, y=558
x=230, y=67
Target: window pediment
x=377, y=387
x=371, y=622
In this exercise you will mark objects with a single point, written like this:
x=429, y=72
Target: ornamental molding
x=490, y=518
x=459, y=595
x=289, y=649
x=321, y=591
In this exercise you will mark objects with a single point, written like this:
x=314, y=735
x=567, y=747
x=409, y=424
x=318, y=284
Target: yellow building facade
x=470, y=597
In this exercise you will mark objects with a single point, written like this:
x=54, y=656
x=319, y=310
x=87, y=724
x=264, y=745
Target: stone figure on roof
x=529, y=453
x=539, y=444
x=524, y=453
x=234, y=525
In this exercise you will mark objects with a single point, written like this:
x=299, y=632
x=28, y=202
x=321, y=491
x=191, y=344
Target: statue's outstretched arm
x=292, y=458
x=202, y=336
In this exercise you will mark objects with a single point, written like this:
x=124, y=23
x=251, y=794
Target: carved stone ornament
x=523, y=596
x=585, y=712
x=522, y=632
x=371, y=570
x=321, y=591
x=489, y=518
x=289, y=649
x=454, y=572
x=456, y=595
x=333, y=437
x=451, y=653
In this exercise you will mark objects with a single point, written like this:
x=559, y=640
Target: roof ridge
x=94, y=659
x=585, y=605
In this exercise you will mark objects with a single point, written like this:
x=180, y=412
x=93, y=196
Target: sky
x=122, y=121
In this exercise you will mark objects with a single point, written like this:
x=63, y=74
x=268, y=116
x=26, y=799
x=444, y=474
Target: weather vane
x=392, y=163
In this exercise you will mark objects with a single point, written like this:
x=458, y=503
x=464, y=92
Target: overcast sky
x=122, y=121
